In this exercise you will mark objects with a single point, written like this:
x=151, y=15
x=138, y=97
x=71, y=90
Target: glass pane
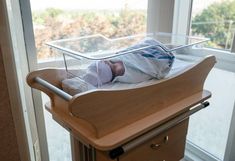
x=214, y=19
x=53, y=20
x=58, y=139
x=209, y=128
x=63, y=19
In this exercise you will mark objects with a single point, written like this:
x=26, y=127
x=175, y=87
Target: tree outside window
x=216, y=22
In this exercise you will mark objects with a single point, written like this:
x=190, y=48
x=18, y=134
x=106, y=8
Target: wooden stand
x=101, y=121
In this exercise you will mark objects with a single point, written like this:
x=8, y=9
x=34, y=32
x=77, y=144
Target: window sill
x=193, y=152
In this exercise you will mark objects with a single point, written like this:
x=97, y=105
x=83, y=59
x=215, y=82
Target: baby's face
x=116, y=67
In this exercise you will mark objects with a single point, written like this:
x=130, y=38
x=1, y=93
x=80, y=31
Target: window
x=63, y=19
x=60, y=20
x=214, y=19
x=209, y=129
x=221, y=76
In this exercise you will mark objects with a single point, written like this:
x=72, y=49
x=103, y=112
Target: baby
x=103, y=71
x=134, y=67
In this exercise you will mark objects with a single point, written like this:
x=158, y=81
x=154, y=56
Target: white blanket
x=151, y=62
x=76, y=85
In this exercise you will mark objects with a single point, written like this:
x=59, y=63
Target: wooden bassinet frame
x=107, y=119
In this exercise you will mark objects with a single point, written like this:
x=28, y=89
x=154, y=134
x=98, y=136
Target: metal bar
x=89, y=154
x=81, y=154
x=65, y=62
x=93, y=154
x=233, y=44
x=53, y=88
x=140, y=140
x=84, y=153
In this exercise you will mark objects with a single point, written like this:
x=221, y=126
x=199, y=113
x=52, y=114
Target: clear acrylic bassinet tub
x=79, y=53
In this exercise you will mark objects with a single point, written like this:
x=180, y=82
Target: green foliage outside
x=54, y=24
x=217, y=22
x=41, y=17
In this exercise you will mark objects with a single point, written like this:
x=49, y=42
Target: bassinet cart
x=144, y=123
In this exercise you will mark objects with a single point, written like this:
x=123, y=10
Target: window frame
x=226, y=61
x=31, y=55
x=24, y=99
x=16, y=85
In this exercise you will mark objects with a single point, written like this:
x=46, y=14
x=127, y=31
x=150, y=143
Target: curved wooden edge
x=110, y=110
x=53, y=76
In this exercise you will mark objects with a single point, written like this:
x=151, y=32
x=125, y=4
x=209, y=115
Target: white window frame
x=12, y=44
x=26, y=102
x=31, y=55
x=226, y=61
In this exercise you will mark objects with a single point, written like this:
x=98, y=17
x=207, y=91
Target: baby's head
x=117, y=67
x=103, y=71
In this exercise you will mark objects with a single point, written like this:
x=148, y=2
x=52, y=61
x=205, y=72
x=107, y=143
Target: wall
x=8, y=143
x=159, y=18
x=13, y=138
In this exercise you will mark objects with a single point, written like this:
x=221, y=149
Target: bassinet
x=137, y=124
